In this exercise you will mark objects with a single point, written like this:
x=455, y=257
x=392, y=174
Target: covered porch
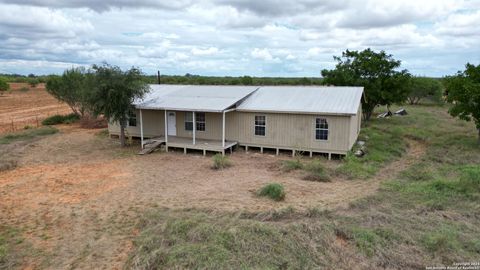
x=206, y=134
x=186, y=144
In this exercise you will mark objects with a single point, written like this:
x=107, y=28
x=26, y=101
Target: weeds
x=221, y=162
x=316, y=172
x=291, y=165
x=27, y=134
x=274, y=191
x=60, y=119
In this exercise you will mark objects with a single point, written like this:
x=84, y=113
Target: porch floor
x=187, y=143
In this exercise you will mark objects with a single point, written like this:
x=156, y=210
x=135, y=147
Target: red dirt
x=27, y=107
x=78, y=196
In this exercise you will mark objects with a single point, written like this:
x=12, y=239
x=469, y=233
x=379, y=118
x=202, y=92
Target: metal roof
x=205, y=98
x=304, y=99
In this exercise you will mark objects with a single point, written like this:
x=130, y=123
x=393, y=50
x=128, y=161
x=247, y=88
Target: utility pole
x=158, y=76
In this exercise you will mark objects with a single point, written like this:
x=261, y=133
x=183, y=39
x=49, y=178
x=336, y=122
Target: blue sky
x=238, y=37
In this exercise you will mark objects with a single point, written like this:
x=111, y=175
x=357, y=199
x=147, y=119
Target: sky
x=282, y=38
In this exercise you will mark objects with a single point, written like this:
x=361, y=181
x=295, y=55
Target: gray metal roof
x=205, y=98
x=304, y=99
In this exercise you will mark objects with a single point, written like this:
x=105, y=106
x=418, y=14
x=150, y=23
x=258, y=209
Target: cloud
x=103, y=5
x=237, y=37
x=204, y=52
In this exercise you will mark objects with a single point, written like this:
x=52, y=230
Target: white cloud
x=204, y=52
x=237, y=37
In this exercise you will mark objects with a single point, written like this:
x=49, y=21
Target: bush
x=316, y=172
x=24, y=89
x=60, y=119
x=291, y=165
x=220, y=162
x=4, y=86
x=274, y=191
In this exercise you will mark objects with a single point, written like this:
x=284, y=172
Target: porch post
x=194, y=127
x=223, y=130
x=141, y=128
x=166, y=128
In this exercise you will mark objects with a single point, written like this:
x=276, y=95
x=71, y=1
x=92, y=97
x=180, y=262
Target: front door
x=172, y=124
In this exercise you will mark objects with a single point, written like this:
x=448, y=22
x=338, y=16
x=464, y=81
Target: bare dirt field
x=76, y=196
x=27, y=107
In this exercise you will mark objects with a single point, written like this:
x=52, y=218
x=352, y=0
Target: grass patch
x=316, y=172
x=60, y=119
x=193, y=240
x=274, y=191
x=27, y=134
x=220, y=162
x=291, y=165
x=443, y=240
x=102, y=133
x=9, y=239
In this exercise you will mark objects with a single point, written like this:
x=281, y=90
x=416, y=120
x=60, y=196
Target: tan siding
x=153, y=125
x=355, y=124
x=213, y=127
x=289, y=131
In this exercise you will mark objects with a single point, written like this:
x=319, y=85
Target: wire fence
x=34, y=121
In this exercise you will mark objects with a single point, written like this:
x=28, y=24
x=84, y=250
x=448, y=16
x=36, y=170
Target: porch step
x=150, y=147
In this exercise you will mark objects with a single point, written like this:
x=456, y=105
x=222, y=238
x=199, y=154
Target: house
x=310, y=119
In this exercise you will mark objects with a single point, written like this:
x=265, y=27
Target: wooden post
x=223, y=130
x=141, y=128
x=329, y=156
x=277, y=151
x=194, y=128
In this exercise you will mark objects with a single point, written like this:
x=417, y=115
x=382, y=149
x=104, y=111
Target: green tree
x=463, y=91
x=114, y=91
x=33, y=82
x=422, y=87
x=4, y=86
x=246, y=80
x=376, y=72
x=71, y=88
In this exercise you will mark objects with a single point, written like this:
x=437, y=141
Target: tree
x=71, y=88
x=376, y=72
x=33, y=82
x=422, y=87
x=4, y=86
x=114, y=91
x=463, y=91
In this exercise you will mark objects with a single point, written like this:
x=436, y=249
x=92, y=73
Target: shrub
x=4, y=86
x=24, y=89
x=291, y=165
x=220, y=162
x=274, y=191
x=60, y=119
x=316, y=172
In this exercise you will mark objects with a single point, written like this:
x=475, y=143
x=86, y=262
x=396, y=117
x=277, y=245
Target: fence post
x=13, y=127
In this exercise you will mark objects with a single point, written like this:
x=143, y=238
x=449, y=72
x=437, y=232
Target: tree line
x=109, y=91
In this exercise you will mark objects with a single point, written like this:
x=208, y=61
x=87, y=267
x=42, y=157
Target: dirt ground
x=27, y=107
x=77, y=195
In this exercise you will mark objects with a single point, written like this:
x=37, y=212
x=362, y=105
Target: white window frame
x=186, y=120
x=255, y=125
x=129, y=116
x=204, y=121
x=321, y=128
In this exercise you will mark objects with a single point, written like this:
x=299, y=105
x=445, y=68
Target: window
x=321, y=129
x=188, y=121
x=199, y=119
x=260, y=124
x=132, y=119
